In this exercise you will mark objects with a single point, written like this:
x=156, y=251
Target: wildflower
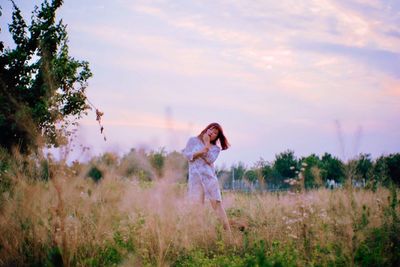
x=292, y=167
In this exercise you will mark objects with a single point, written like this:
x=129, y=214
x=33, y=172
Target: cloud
x=134, y=51
x=235, y=46
x=356, y=28
x=245, y=56
x=380, y=60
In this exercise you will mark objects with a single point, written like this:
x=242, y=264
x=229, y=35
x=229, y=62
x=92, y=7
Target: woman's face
x=213, y=133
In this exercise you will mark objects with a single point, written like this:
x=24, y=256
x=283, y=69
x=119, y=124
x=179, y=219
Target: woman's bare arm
x=201, y=153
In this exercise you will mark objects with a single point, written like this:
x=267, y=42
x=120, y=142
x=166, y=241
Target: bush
x=95, y=173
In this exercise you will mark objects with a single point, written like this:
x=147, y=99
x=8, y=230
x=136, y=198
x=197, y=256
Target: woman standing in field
x=201, y=152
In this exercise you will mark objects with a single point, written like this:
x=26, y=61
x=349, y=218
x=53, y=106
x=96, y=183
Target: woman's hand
x=202, y=153
x=207, y=145
x=206, y=139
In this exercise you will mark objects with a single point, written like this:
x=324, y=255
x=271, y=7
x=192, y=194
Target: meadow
x=132, y=210
x=54, y=214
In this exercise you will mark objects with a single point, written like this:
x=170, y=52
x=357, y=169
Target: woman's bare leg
x=217, y=206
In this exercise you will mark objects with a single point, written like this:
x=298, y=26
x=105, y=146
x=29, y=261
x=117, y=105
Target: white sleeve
x=190, y=149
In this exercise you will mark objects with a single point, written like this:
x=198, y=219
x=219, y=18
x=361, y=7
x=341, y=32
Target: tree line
x=315, y=171
x=282, y=173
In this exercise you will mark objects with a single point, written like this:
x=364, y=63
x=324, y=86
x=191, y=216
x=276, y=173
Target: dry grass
x=134, y=222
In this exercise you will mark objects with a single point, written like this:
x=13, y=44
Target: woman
x=201, y=152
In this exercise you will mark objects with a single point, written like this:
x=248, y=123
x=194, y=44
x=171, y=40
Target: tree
x=286, y=164
x=251, y=175
x=238, y=171
x=311, y=171
x=332, y=168
x=364, y=166
x=42, y=88
x=271, y=176
x=387, y=168
x=380, y=172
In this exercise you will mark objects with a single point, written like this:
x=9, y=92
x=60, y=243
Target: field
x=276, y=74
x=66, y=218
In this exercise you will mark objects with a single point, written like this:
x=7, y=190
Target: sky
x=312, y=76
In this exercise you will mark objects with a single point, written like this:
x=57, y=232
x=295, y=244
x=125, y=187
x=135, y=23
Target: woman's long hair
x=221, y=137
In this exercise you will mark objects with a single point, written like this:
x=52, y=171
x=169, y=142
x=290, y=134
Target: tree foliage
x=316, y=170
x=332, y=168
x=238, y=170
x=42, y=88
x=285, y=164
x=387, y=169
x=364, y=166
x=311, y=166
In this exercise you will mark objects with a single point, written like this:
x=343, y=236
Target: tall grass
x=134, y=217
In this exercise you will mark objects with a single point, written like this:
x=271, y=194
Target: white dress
x=202, y=177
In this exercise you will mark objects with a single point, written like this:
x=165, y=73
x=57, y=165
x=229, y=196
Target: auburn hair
x=221, y=137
